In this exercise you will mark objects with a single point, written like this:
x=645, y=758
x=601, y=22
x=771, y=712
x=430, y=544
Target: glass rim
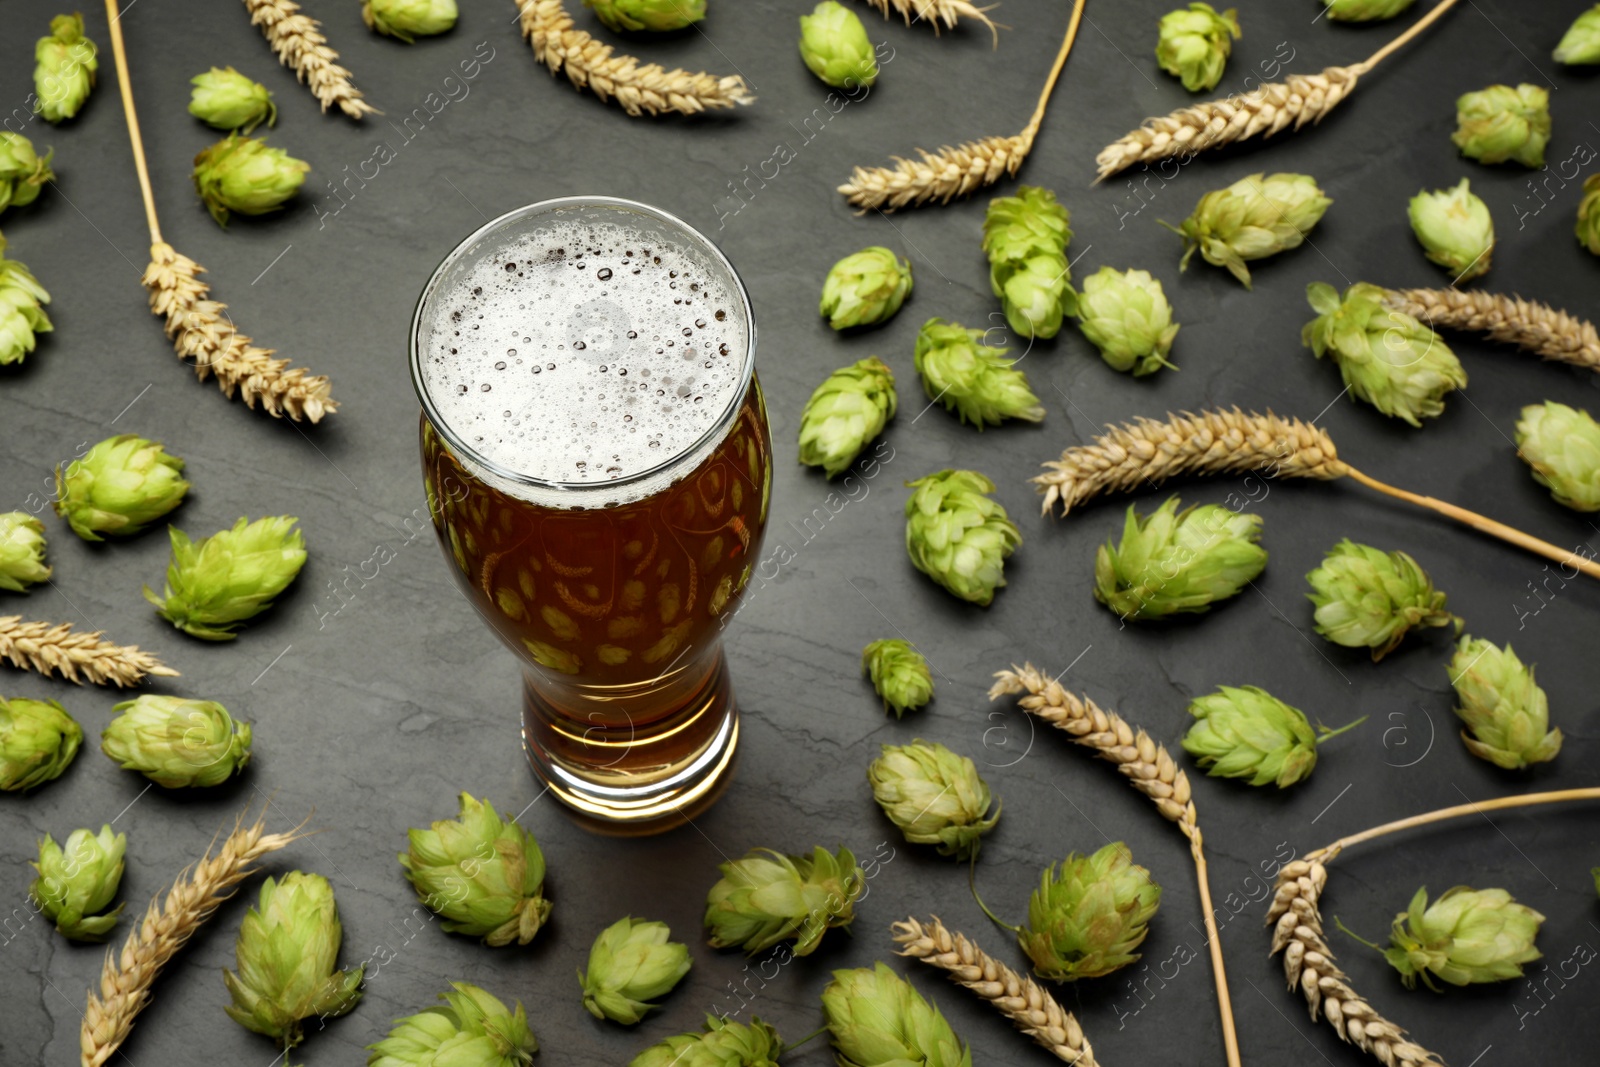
x=692, y=236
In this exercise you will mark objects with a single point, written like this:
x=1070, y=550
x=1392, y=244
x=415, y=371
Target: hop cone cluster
x=1506, y=714
x=1387, y=358
x=1364, y=10
x=1581, y=43
x=631, y=963
x=77, y=883
x=722, y=1044
x=975, y=381
x=1246, y=732
x=119, y=487
x=176, y=742
x=1026, y=237
x=934, y=796
x=407, y=20
x=64, y=65
x=865, y=288
x=878, y=1019
x=1088, y=915
x=1126, y=316
x=1172, y=561
x=1368, y=598
x=1465, y=937
x=224, y=99
x=959, y=536
x=23, y=172
x=1500, y=123
x=215, y=584
x=657, y=16
x=1561, y=445
x=899, y=673
x=21, y=552
x=473, y=1029
x=1455, y=229
x=1255, y=217
x=37, y=741
x=1194, y=44
x=22, y=298
x=1588, y=227
x=835, y=47
x=844, y=414
x=244, y=174
x=766, y=897
x=483, y=875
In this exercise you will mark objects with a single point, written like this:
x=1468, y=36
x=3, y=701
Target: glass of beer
x=598, y=466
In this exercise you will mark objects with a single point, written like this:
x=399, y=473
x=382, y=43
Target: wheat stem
x=1456, y=811
x=938, y=13
x=77, y=657
x=1531, y=326
x=298, y=42
x=126, y=83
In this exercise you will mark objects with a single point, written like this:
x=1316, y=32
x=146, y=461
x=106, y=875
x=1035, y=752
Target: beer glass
x=598, y=466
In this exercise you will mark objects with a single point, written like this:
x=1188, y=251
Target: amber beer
x=597, y=463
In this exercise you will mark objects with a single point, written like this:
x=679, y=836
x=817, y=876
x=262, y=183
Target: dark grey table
x=377, y=707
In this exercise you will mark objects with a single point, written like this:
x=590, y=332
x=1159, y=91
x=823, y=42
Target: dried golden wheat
x=1531, y=326
x=298, y=41
x=77, y=657
x=939, y=14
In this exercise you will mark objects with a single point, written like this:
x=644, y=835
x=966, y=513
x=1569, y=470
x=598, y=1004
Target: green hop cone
x=22, y=301
x=76, y=883
x=1455, y=229
x=1194, y=44
x=835, y=47
x=865, y=288
x=224, y=99
x=37, y=741
x=1581, y=43
x=474, y=1029
x=218, y=582
x=176, y=742
x=657, y=16
x=1088, y=916
x=1506, y=713
x=1126, y=316
x=722, y=1044
x=287, y=950
x=1172, y=561
x=631, y=963
x=899, y=673
x=64, y=65
x=23, y=172
x=1588, y=227
x=975, y=381
x=1246, y=732
x=1026, y=237
x=1368, y=598
x=766, y=897
x=1365, y=10
x=1500, y=123
x=244, y=174
x=1562, y=446
x=1465, y=937
x=934, y=796
x=406, y=20
x=120, y=486
x=959, y=536
x=21, y=552
x=1387, y=358
x=844, y=414
x=482, y=874
x=878, y=1019
x=1255, y=217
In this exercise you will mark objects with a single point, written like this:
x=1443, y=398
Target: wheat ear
x=1268, y=109
x=1149, y=768
x=1017, y=997
x=940, y=14
x=639, y=88
x=956, y=171
x=125, y=980
x=1531, y=326
x=298, y=41
x=77, y=657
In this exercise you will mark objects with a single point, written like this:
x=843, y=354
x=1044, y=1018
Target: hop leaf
x=722, y=1044
x=1467, y=936
x=865, y=288
x=287, y=950
x=23, y=172
x=76, y=883
x=767, y=897
x=655, y=15
x=64, y=67
x=878, y=1019
x=899, y=673
x=484, y=876
x=1026, y=237
x=231, y=576
x=120, y=486
x=224, y=99
x=1562, y=446
x=1249, y=733
x=1504, y=710
x=631, y=963
x=475, y=1029
x=1253, y=218
x=1588, y=228
x=407, y=20
x=934, y=796
x=1086, y=919
x=37, y=741
x=22, y=298
x=21, y=552
x=1368, y=598
x=1581, y=43
x=849, y=409
x=1500, y=123
x=1194, y=44
x=1175, y=561
x=1126, y=316
x=176, y=742
x=243, y=174
x=835, y=47
x=1365, y=10
x=957, y=535
x=972, y=379
x=1455, y=229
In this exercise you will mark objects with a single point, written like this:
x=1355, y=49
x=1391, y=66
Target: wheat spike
x=1017, y=997
x=125, y=979
x=1531, y=326
x=298, y=41
x=77, y=657
x=940, y=14
x=639, y=88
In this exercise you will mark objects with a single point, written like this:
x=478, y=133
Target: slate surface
x=375, y=711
